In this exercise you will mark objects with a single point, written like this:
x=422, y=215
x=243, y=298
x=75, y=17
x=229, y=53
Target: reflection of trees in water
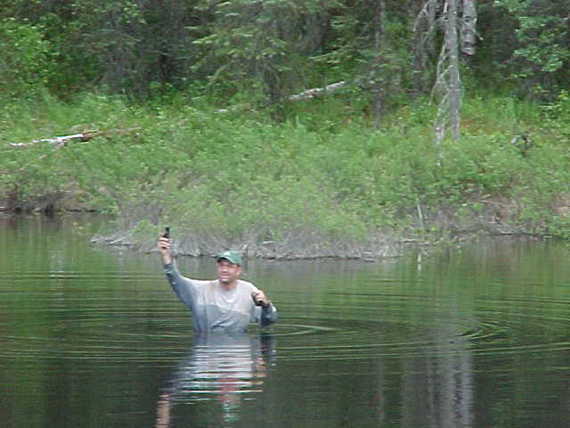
x=437, y=390
x=222, y=367
x=437, y=386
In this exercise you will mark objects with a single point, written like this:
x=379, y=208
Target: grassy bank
x=325, y=183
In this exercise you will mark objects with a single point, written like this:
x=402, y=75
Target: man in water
x=225, y=304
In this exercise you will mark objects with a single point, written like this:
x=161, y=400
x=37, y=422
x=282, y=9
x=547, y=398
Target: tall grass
x=308, y=186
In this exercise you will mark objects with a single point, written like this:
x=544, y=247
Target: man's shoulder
x=246, y=284
x=201, y=283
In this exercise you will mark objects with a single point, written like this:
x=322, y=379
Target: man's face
x=228, y=273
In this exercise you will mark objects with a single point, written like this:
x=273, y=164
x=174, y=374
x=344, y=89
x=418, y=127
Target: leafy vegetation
x=234, y=179
x=216, y=148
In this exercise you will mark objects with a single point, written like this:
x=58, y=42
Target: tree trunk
x=452, y=42
x=469, y=27
x=423, y=44
x=448, y=80
x=377, y=78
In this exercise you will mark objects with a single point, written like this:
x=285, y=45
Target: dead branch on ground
x=59, y=142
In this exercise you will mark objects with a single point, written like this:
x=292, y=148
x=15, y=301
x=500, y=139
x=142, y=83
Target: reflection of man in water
x=221, y=366
x=226, y=304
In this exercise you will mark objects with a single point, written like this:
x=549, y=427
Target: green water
x=472, y=337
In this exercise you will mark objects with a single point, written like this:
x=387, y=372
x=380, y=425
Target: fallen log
x=305, y=95
x=316, y=92
x=82, y=137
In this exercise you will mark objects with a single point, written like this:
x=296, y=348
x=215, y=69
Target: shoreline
x=385, y=246
x=437, y=227
x=382, y=246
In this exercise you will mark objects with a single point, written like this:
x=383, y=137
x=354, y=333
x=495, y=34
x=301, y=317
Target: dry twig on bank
x=59, y=142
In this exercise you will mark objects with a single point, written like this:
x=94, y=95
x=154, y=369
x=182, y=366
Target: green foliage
x=260, y=52
x=41, y=169
x=252, y=180
x=320, y=167
x=261, y=48
x=25, y=63
x=543, y=49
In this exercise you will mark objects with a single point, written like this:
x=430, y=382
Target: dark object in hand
x=257, y=301
x=166, y=233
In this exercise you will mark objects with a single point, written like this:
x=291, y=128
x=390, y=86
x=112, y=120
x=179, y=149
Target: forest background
x=289, y=128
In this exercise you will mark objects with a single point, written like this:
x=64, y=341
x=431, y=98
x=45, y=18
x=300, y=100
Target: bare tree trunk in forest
x=376, y=78
x=424, y=43
x=469, y=27
x=452, y=42
x=448, y=81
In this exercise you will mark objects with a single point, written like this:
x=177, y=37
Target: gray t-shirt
x=215, y=308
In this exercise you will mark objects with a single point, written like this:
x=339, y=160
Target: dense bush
x=248, y=180
x=26, y=61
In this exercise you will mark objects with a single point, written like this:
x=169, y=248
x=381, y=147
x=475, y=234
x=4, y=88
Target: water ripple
x=103, y=325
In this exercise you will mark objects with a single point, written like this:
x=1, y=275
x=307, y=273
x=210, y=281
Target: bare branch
x=83, y=137
x=316, y=92
x=305, y=95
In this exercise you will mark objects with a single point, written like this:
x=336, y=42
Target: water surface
x=468, y=337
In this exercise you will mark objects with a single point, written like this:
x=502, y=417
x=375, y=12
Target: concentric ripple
x=117, y=311
x=101, y=325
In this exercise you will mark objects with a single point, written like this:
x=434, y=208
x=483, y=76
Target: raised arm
x=182, y=286
x=164, y=245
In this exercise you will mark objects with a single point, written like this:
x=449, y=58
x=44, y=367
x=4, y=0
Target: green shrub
x=25, y=63
x=248, y=179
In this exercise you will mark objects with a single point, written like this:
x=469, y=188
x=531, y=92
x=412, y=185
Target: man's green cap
x=231, y=256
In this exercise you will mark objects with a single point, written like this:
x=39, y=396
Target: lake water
x=468, y=337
